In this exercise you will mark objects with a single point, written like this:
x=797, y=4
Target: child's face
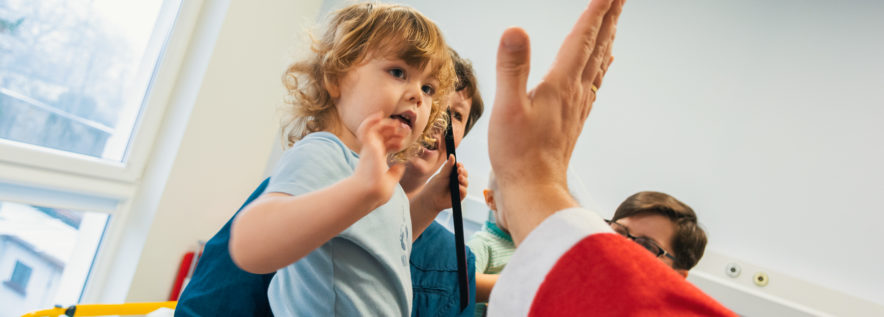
x=391, y=86
x=430, y=159
x=657, y=228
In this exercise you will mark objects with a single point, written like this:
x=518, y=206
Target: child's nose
x=415, y=94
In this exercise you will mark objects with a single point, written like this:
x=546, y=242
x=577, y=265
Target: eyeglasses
x=645, y=242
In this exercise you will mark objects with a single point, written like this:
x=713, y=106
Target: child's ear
x=489, y=199
x=331, y=85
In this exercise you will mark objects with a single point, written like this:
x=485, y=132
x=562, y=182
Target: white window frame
x=38, y=158
x=47, y=177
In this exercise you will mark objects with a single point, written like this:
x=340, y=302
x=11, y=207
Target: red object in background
x=183, y=272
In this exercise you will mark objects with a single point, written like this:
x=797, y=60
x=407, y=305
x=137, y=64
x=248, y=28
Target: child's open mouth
x=432, y=147
x=407, y=118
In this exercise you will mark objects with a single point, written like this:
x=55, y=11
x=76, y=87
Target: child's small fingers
x=394, y=144
x=396, y=171
x=391, y=133
x=370, y=122
x=386, y=127
x=393, y=139
x=446, y=167
x=395, y=130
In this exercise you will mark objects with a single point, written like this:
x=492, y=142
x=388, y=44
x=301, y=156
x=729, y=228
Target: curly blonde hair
x=353, y=33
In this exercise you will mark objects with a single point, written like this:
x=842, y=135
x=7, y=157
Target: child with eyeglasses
x=664, y=225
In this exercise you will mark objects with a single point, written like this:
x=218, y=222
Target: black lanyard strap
x=457, y=212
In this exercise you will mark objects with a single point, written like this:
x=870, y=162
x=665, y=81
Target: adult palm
x=532, y=134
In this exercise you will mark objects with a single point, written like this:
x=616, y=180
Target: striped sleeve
x=479, y=246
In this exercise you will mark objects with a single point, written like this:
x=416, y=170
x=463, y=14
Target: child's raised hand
x=436, y=196
x=438, y=186
x=379, y=137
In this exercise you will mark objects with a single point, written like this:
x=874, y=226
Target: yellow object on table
x=103, y=309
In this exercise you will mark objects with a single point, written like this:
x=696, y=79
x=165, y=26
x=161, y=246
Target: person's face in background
x=420, y=168
x=656, y=227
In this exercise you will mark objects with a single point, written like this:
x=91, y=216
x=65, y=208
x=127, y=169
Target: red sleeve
x=607, y=275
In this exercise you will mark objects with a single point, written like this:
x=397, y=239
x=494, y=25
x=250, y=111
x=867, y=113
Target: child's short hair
x=351, y=35
x=689, y=241
x=466, y=82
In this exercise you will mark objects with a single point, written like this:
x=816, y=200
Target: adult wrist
x=528, y=204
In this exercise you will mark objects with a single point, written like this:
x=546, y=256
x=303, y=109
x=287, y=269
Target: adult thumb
x=513, y=64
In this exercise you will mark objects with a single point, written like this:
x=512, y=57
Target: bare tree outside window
x=68, y=72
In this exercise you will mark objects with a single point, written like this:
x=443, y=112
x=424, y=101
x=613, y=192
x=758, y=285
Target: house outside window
x=21, y=274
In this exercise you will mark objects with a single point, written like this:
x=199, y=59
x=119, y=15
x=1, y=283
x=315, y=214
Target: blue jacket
x=219, y=287
x=434, y=275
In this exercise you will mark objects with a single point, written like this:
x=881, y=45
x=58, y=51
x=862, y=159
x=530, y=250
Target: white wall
x=228, y=138
x=764, y=116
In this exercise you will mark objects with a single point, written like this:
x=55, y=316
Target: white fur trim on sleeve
x=514, y=291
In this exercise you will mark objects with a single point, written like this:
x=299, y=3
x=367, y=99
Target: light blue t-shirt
x=362, y=271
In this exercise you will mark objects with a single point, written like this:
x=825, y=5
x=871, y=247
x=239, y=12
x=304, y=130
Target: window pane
x=45, y=255
x=74, y=73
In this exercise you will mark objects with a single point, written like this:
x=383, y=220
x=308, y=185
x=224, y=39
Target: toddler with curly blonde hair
x=334, y=223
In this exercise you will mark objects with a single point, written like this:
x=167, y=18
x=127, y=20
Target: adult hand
x=532, y=133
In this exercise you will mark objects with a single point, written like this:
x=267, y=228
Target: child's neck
x=345, y=135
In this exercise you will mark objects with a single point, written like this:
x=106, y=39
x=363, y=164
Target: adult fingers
x=513, y=65
x=580, y=42
x=597, y=83
x=605, y=39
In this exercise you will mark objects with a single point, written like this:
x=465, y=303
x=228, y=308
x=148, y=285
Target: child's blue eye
x=397, y=72
x=458, y=116
x=429, y=90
